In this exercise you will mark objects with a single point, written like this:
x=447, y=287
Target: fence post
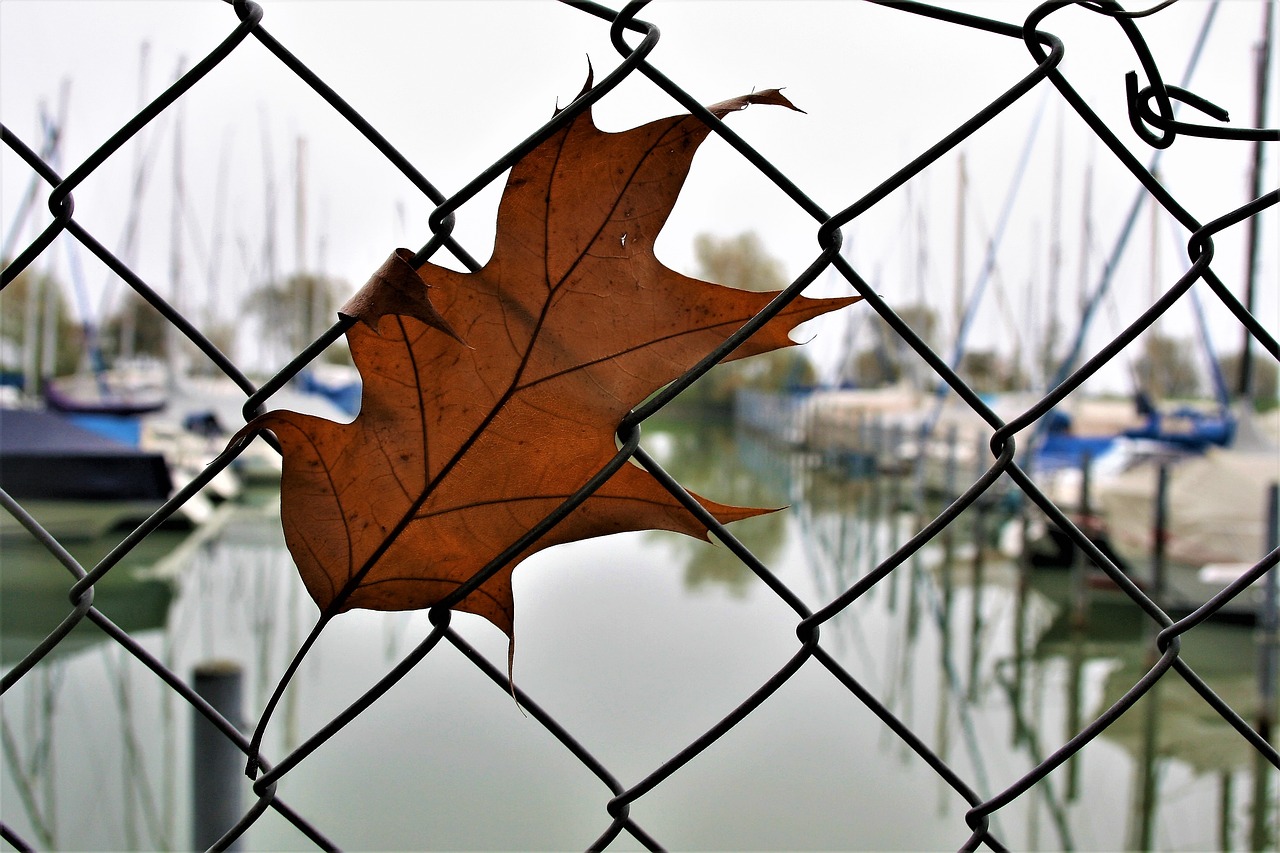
x=215, y=761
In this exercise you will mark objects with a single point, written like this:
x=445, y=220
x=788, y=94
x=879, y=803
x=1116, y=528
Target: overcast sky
x=455, y=85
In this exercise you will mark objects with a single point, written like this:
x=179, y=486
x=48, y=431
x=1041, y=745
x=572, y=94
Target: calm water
x=637, y=644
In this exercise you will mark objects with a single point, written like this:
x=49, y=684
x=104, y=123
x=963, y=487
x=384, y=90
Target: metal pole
x=1263, y=77
x=1269, y=622
x=215, y=761
x=1158, y=535
x=1079, y=564
x=1260, y=831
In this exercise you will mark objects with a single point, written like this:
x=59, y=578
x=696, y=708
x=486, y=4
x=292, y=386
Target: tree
x=1263, y=389
x=136, y=329
x=890, y=359
x=871, y=368
x=740, y=262
x=986, y=372
x=1165, y=369
x=294, y=312
x=26, y=325
x=743, y=262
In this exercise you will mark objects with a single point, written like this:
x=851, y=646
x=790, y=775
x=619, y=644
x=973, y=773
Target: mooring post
x=1269, y=622
x=1159, y=534
x=216, y=762
x=1080, y=562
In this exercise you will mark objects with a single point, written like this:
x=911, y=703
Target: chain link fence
x=1151, y=112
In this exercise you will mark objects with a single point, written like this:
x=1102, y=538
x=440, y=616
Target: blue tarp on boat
x=44, y=456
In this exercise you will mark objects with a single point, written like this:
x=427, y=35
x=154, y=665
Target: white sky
x=454, y=85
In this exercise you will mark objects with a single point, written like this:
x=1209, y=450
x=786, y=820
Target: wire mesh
x=1151, y=114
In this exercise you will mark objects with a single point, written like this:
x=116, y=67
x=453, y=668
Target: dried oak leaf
x=491, y=396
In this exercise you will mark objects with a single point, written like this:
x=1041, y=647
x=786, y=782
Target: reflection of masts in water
x=977, y=617
x=269, y=566
x=952, y=693
x=34, y=778
x=1075, y=713
x=946, y=673
x=950, y=687
x=1262, y=829
x=142, y=803
x=1142, y=809
x=1025, y=734
x=904, y=648
x=834, y=556
x=139, y=799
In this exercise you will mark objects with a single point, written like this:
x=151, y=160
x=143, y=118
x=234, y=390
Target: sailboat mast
x=127, y=344
x=172, y=343
x=962, y=191
x=1041, y=354
x=1262, y=79
x=1153, y=261
x=1086, y=243
x=300, y=206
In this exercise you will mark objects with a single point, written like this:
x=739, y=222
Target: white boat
x=1216, y=521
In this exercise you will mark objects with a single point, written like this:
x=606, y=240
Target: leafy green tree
x=743, y=262
x=294, y=312
x=24, y=322
x=986, y=372
x=1165, y=369
x=144, y=326
x=870, y=367
x=740, y=262
x=1264, y=380
x=890, y=359
x=695, y=453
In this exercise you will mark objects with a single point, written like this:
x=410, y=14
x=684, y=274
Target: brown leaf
x=394, y=289
x=459, y=449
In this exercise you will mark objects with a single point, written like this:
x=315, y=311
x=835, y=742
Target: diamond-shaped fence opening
x=882, y=623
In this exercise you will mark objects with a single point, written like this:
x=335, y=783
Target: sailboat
x=1219, y=506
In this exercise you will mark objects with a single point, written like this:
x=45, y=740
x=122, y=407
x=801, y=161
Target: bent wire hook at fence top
x=1150, y=111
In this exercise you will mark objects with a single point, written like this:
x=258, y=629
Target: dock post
x=895, y=451
x=1079, y=563
x=1269, y=622
x=1159, y=534
x=216, y=762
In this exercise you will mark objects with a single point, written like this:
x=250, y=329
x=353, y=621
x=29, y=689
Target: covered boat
x=75, y=482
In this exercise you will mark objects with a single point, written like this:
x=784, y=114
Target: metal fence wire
x=1151, y=113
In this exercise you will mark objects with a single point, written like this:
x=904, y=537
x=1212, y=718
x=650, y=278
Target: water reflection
x=698, y=453
x=1001, y=635
x=136, y=592
x=136, y=595
x=980, y=658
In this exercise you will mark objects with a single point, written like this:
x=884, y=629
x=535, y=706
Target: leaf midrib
x=356, y=579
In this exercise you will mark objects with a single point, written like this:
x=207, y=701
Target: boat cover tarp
x=1216, y=508
x=44, y=456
